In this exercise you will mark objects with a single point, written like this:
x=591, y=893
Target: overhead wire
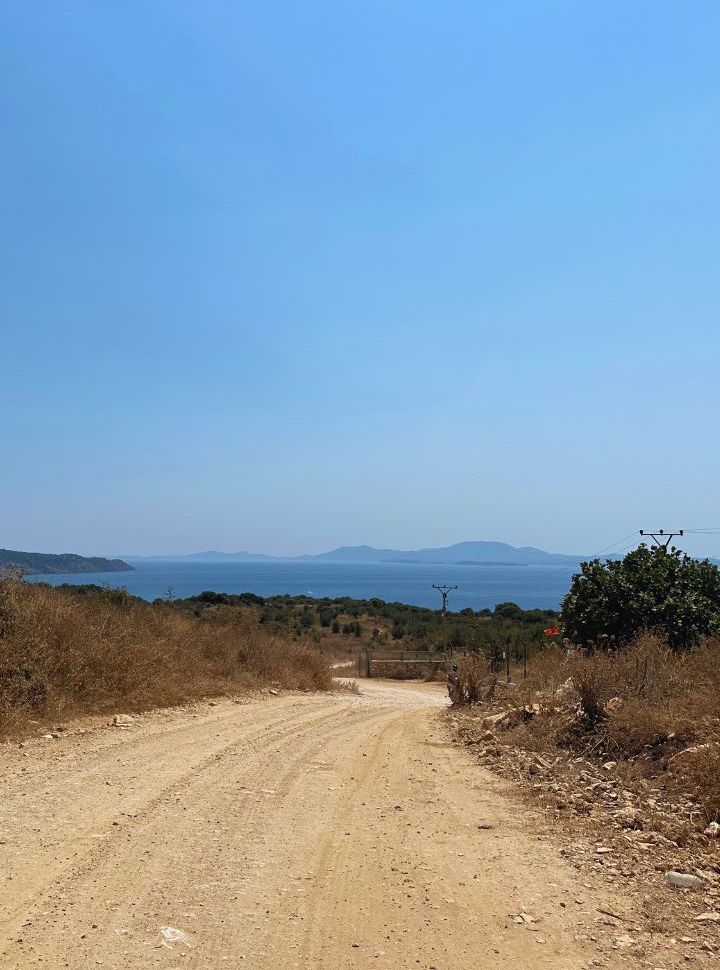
x=627, y=548
x=618, y=543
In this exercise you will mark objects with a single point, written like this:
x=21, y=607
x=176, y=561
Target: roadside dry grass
x=654, y=712
x=62, y=654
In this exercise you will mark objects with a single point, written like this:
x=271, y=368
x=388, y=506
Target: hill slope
x=44, y=563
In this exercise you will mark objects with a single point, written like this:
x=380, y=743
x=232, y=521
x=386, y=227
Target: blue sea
x=479, y=586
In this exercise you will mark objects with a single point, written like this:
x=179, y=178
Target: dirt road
x=295, y=831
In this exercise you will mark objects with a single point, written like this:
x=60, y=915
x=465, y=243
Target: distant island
x=461, y=553
x=475, y=552
x=45, y=564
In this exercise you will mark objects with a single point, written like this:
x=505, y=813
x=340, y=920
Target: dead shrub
x=639, y=727
x=548, y=672
x=347, y=686
x=475, y=682
x=701, y=772
x=592, y=683
x=647, y=669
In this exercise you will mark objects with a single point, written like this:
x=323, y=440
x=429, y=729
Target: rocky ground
x=622, y=832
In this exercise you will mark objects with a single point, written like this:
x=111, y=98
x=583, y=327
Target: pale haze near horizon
x=286, y=277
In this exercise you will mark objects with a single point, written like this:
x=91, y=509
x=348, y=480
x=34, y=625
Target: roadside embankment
x=63, y=654
x=622, y=751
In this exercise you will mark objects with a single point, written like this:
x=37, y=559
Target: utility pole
x=444, y=590
x=661, y=538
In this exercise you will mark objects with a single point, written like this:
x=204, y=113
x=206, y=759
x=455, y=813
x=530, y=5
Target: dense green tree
x=610, y=602
x=509, y=611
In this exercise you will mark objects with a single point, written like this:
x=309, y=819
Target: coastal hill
x=463, y=553
x=44, y=563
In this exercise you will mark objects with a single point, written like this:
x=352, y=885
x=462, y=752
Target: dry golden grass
x=655, y=711
x=64, y=654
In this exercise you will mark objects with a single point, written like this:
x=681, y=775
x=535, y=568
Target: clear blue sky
x=281, y=276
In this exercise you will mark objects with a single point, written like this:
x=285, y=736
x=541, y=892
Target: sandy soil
x=294, y=831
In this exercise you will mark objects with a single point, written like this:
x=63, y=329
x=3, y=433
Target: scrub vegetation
x=345, y=624
x=64, y=652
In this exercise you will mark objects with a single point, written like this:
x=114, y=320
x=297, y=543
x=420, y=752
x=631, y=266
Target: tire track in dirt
x=305, y=832
x=112, y=819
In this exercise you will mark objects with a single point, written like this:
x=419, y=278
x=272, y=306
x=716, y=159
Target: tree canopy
x=669, y=592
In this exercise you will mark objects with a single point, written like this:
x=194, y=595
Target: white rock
x=122, y=720
x=493, y=720
x=683, y=880
x=169, y=936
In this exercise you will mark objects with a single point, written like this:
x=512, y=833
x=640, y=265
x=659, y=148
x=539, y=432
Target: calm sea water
x=478, y=586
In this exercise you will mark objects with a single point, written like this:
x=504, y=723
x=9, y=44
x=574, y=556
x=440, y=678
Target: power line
x=618, y=543
x=625, y=549
x=661, y=538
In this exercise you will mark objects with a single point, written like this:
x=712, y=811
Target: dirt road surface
x=295, y=831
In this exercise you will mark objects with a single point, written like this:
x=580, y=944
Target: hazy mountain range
x=461, y=552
